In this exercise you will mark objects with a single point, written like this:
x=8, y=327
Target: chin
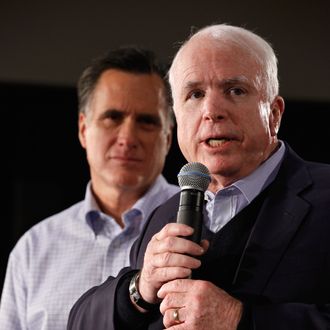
x=128, y=182
x=221, y=167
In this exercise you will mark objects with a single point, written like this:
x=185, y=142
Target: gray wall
x=50, y=42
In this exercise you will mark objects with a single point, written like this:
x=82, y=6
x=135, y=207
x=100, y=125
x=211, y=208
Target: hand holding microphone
x=169, y=254
x=185, y=300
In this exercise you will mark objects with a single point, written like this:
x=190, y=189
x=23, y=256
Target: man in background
x=125, y=125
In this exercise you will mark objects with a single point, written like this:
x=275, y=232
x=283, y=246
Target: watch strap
x=135, y=294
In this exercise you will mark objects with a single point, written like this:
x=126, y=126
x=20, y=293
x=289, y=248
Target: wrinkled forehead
x=205, y=58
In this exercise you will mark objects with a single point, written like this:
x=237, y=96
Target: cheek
x=185, y=125
x=155, y=151
x=96, y=143
x=187, y=130
x=265, y=116
x=256, y=126
x=185, y=141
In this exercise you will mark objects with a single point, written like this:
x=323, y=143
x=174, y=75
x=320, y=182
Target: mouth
x=123, y=158
x=217, y=142
x=126, y=159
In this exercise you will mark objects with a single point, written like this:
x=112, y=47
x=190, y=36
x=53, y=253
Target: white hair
x=256, y=46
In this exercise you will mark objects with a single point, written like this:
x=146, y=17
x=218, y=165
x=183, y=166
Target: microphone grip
x=191, y=212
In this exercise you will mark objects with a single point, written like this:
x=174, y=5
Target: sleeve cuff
x=126, y=315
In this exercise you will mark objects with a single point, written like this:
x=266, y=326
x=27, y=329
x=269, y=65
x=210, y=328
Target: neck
x=115, y=201
x=221, y=181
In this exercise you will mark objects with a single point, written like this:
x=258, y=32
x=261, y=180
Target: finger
x=205, y=244
x=174, y=229
x=178, y=285
x=174, y=317
x=165, y=274
x=175, y=244
x=169, y=259
x=172, y=300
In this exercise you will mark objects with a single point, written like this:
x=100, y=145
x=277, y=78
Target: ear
x=277, y=109
x=169, y=139
x=82, y=129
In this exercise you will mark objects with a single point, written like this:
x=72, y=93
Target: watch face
x=133, y=291
x=135, y=296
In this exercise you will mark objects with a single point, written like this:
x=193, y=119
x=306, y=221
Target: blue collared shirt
x=60, y=258
x=226, y=203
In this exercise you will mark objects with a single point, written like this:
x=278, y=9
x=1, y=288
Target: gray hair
x=258, y=47
x=131, y=59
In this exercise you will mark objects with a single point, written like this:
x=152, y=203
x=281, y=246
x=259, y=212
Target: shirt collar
x=259, y=179
x=141, y=209
x=149, y=201
x=90, y=201
x=92, y=211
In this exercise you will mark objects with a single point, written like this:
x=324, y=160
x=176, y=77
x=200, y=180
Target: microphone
x=194, y=179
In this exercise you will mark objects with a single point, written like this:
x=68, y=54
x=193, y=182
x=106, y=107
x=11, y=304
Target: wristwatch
x=135, y=294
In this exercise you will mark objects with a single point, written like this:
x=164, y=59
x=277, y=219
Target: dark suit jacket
x=289, y=245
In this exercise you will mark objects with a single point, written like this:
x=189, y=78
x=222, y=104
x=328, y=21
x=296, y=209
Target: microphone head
x=194, y=176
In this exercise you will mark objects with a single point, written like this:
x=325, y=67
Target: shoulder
x=319, y=171
x=58, y=220
x=166, y=189
x=309, y=180
x=167, y=210
x=47, y=230
x=302, y=172
x=163, y=214
x=319, y=190
x=172, y=189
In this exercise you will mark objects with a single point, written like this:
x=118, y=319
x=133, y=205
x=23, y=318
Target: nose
x=127, y=136
x=213, y=108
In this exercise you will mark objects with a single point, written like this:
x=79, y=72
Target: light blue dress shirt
x=226, y=203
x=60, y=258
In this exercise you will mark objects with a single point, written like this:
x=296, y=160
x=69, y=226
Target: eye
x=236, y=91
x=112, y=115
x=196, y=94
x=148, y=121
x=115, y=115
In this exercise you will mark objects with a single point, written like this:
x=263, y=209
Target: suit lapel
x=282, y=213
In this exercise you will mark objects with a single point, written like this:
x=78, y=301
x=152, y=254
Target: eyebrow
x=153, y=118
x=109, y=112
x=235, y=80
x=223, y=82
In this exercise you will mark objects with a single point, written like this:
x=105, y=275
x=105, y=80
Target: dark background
x=44, y=46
